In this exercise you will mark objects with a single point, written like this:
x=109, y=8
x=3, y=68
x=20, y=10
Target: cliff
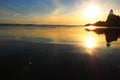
x=112, y=20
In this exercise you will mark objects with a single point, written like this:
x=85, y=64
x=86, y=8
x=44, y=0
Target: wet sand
x=22, y=60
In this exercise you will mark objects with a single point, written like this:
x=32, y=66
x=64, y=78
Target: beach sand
x=22, y=60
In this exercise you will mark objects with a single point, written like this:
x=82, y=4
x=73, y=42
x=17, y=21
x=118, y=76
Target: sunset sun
x=92, y=12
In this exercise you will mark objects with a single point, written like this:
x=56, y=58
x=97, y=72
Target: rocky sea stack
x=112, y=21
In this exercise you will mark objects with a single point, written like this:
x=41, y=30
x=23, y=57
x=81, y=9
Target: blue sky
x=50, y=11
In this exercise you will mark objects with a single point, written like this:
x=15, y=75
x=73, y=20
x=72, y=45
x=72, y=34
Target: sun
x=92, y=12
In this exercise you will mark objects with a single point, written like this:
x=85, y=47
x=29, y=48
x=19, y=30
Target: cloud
x=13, y=14
x=7, y=13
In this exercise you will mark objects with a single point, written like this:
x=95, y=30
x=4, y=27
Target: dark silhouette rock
x=100, y=23
x=112, y=20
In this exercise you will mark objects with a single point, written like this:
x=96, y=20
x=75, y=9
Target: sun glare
x=90, y=42
x=91, y=27
x=92, y=12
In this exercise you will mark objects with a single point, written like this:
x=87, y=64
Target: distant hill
x=37, y=25
x=112, y=20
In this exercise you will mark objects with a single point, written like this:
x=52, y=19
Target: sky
x=56, y=11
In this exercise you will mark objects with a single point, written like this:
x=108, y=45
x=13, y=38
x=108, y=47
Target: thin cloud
x=14, y=15
x=6, y=12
